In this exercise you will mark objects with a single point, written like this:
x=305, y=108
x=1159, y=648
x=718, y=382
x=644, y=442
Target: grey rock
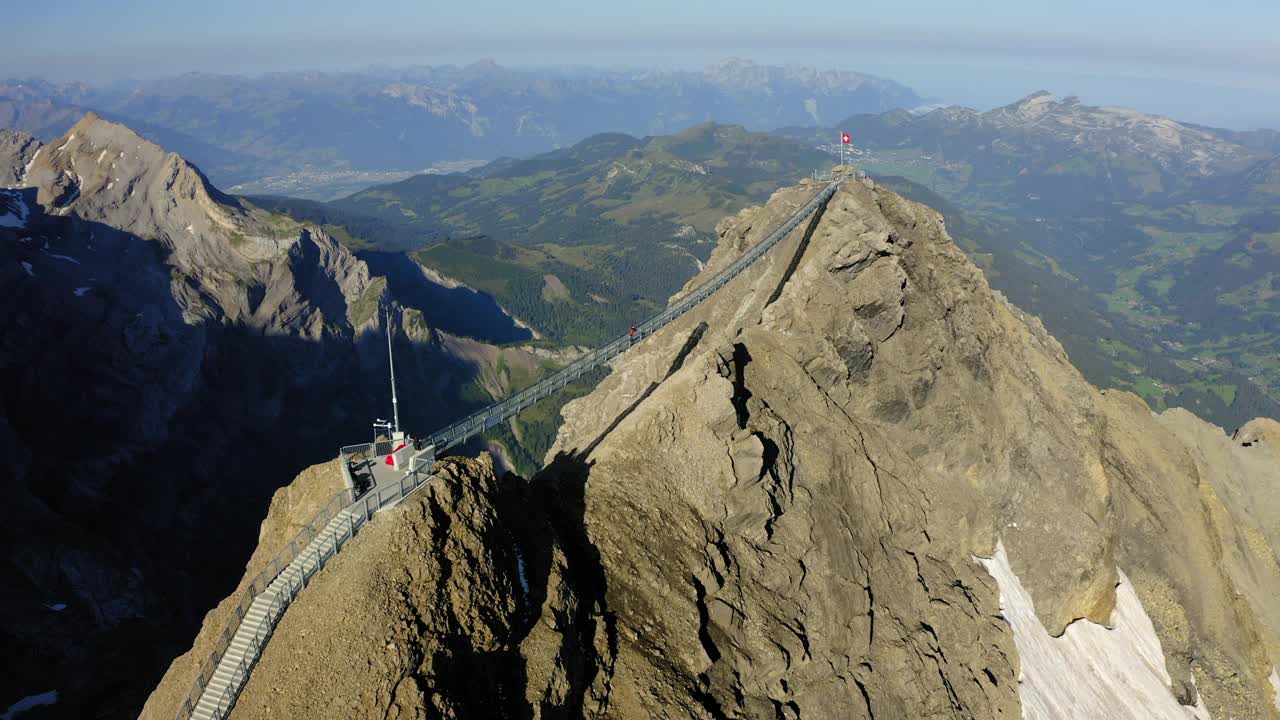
x=16, y=152
x=172, y=354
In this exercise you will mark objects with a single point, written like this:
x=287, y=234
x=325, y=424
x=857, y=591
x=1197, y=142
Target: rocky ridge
x=880, y=403
x=1116, y=132
x=167, y=353
x=780, y=506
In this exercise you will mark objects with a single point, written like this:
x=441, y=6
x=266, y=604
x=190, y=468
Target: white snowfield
x=1275, y=683
x=27, y=169
x=1091, y=671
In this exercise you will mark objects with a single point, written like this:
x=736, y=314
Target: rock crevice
x=772, y=508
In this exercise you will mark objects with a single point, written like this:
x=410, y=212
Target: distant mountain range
x=240, y=129
x=1162, y=238
x=1074, y=152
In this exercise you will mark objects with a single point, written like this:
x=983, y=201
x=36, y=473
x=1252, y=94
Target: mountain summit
x=855, y=483
x=167, y=351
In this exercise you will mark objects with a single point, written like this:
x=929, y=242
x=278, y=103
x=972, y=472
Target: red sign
x=844, y=138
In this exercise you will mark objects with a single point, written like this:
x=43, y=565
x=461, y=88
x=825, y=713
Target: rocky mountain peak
x=861, y=411
x=16, y=152
x=1118, y=132
x=198, y=347
x=856, y=482
x=101, y=184
x=104, y=171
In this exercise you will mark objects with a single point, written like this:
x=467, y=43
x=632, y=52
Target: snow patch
x=191, y=230
x=27, y=170
x=103, y=155
x=68, y=142
x=27, y=267
x=56, y=607
x=524, y=579
x=29, y=702
x=68, y=258
x=80, y=291
x=1275, y=683
x=110, y=185
x=698, y=263
x=1091, y=671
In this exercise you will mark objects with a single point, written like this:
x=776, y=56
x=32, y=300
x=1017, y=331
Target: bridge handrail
x=476, y=422
x=371, y=503
x=261, y=581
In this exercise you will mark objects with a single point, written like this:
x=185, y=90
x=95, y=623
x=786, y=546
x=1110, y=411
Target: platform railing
x=364, y=509
x=256, y=587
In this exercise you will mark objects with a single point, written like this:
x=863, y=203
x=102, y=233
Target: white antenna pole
x=395, y=403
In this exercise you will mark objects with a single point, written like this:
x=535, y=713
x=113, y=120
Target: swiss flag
x=844, y=138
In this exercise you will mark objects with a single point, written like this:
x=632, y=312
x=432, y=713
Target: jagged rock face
x=788, y=487
x=475, y=597
x=420, y=617
x=168, y=354
x=780, y=506
x=16, y=152
x=239, y=263
x=292, y=508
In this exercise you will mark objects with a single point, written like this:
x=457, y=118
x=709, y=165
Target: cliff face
x=855, y=483
x=873, y=420
x=168, y=354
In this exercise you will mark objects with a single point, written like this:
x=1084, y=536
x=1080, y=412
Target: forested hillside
x=579, y=243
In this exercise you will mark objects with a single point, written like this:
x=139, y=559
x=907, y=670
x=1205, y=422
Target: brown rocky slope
x=777, y=506
x=168, y=355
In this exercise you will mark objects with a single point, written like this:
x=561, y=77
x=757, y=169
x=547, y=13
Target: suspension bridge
x=379, y=475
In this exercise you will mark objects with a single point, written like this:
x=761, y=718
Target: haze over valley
x=723, y=380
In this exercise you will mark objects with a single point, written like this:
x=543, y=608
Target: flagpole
x=391, y=360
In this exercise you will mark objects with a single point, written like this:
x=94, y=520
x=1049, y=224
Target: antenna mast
x=395, y=403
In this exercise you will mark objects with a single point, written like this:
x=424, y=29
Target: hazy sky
x=1201, y=61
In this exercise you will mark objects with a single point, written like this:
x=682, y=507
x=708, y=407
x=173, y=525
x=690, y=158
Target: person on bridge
x=632, y=334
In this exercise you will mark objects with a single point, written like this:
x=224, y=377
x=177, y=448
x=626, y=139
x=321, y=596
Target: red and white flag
x=845, y=139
